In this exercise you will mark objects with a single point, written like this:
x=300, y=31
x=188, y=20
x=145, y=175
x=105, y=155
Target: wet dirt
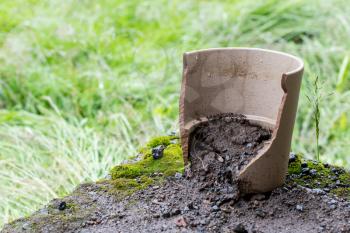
x=205, y=199
x=221, y=147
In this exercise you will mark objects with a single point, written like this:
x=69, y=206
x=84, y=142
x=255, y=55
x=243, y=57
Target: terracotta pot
x=261, y=84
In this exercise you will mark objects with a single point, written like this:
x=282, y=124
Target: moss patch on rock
x=316, y=175
x=128, y=178
x=162, y=140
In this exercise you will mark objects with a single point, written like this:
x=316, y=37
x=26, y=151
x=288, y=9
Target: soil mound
x=205, y=199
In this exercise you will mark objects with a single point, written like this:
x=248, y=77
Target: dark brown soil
x=221, y=147
x=205, y=200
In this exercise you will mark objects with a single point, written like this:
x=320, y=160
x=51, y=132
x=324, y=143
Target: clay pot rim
x=296, y=70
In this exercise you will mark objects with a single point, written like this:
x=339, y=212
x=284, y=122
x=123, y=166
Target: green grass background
x=83, y=83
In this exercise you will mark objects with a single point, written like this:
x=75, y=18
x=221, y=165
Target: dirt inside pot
x=222, y=146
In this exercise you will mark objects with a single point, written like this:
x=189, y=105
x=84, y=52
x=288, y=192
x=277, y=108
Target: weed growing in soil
x=315, y=101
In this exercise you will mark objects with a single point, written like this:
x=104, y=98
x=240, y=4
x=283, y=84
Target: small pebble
x=292, y=157
x=313, y=172
x=178, y=175
x=318, y=191
x=25, y=226
x=215, y=208
x=332, y=202
x=166, y=214
x=157, y=152
x=260, y=213
x=220, y=159
x=203, y=221
x=181, y=222
x=240, y=228
x=190, y=206
x=258, y=197
x=305, y=171
x=300, y=208
x=62, y=205
x=228, y=119
x=176, y=212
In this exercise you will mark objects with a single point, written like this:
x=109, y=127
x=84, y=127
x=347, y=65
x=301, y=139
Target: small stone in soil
x=332, y=202
x=327, y=190
x=300, y=208
x=260, y=213
x=215, y=208
x=292, y=157
x=240, y=229
x=62, y=205
x=305, y=171
x=178, y=175
x=220, y=159
x=25, y=226
x=203, y=221
x=319, y=191
x=227, y=119
x=166, y=214
x=176, y=212
x=258, y=197
x=181, y=222
x=157, y=152
x=190, y=205
x=313, y=172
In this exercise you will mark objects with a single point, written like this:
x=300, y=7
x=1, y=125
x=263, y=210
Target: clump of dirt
x=205, y=199
x=221, y=147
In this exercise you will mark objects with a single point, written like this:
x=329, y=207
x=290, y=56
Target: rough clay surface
x=206, y=199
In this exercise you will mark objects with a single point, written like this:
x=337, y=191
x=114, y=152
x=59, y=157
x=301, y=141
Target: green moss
x=345, y=178
x=126, y=186
x=162, y=140
x=320, y=180
x=295, y=167
x=70, y=208
x=342, y=192
x=169, y=164
x=324, y=177
x=319, y=167
x=128, y=178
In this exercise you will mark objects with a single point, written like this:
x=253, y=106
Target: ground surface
x=288, y=209
x=152, y=195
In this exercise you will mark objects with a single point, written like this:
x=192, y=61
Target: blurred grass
x=82, y=83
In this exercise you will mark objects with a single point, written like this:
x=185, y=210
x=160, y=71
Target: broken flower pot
x=263, y=85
